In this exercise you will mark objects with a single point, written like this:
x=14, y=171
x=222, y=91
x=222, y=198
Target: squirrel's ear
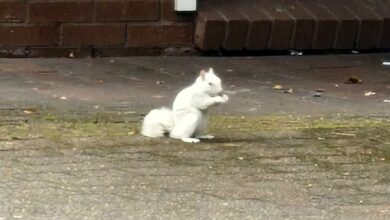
x=202, y=74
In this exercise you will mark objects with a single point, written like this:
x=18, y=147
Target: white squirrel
x=188, y=118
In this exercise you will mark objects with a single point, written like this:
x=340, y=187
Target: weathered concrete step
x=293, y=24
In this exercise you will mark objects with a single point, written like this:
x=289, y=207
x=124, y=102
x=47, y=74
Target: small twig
x=344, y=134
x=331, y=67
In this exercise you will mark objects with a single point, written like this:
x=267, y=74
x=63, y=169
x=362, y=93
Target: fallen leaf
x=353, y=80
x=63, y=97
x=386, y=101
x=99, y=82
x=277, y=87
x=29, y=111
x=289, y=91
x=317, y=94
x=369, y=93
x=130, y=132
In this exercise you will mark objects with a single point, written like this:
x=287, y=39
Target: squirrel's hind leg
x=185, y=128
x=202, y=129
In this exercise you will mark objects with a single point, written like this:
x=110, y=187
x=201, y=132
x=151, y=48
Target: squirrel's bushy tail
x=157, y=123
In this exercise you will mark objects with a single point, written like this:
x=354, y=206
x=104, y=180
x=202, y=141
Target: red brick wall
x=281, y=25
x=92, y=27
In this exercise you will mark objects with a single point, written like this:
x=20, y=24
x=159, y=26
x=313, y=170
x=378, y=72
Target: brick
x=370, y=25
x=125, y=52
x=93, y=34
x=60, y=11
x=382, y=9
x=305, y=25
x=259, y=27
x=348, y=24
x=210, y=28
x=235, y=33
x=159, y=35
x=369, y=34
x=27, y=35
x=168, y=12
x=12, y=11
x=127, y=10
x=209, y=33
x=283, y=24
x=325, y=33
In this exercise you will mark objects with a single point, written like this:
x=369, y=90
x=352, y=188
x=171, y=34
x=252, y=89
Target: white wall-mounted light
x=185, y=5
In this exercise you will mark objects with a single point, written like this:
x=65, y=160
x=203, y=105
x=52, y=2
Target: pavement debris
x=277, y=87
x=296, y=53
x=317, y=94
x=353, y=80
x=289, y=91
x=369, y=93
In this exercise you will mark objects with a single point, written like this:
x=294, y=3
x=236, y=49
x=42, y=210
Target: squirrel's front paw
x=221, y=99
x=225, y=98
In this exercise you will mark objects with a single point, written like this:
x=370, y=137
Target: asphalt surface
x=70, y=147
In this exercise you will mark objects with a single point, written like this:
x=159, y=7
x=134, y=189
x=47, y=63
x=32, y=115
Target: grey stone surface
x=70, y=148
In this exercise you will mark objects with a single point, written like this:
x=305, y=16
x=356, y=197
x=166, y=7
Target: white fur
x=188, y=118
x=191, y=105
x=157, y=123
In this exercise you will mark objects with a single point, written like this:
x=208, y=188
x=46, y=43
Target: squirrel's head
x=209, y=82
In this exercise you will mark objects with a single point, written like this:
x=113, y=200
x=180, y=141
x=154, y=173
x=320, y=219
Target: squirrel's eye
x=210, y=84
